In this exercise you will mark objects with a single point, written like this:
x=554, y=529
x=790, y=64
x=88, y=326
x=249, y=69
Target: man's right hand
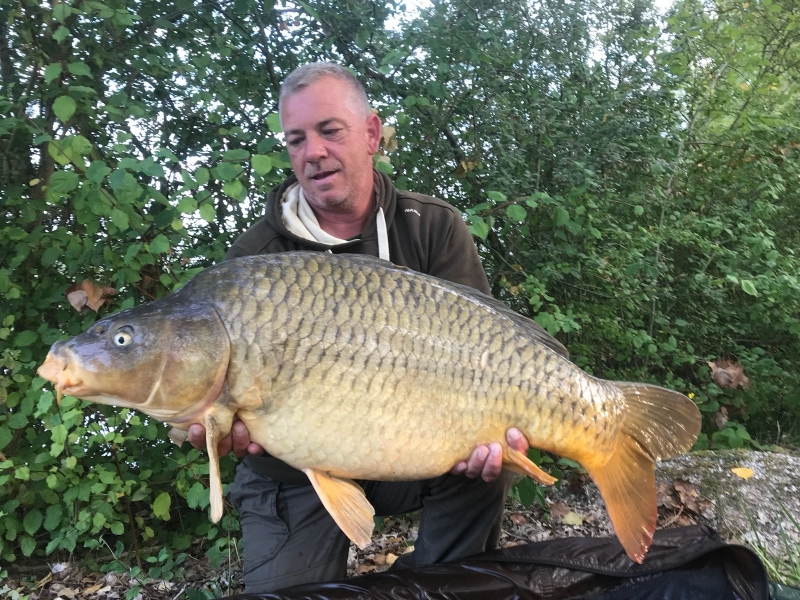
x=237, y=440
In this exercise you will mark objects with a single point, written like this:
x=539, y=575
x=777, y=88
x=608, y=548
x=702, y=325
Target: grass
x=785, y=567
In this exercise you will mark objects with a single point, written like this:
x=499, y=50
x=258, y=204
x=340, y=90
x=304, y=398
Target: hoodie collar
x=385, y=200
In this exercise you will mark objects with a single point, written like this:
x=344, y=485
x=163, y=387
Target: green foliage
x=632, y=187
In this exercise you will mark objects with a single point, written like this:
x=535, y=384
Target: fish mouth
x=57, y=370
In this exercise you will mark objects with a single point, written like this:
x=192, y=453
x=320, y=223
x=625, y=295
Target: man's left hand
x=486, y=461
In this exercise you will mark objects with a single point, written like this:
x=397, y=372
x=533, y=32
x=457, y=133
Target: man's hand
x=487, y=461
x=237, y=440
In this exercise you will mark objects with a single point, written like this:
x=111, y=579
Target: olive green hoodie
x=424, y=234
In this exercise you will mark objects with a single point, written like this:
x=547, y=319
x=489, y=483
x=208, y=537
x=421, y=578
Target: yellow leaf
x=743, y=472
x=572, y=518
x=33, y=182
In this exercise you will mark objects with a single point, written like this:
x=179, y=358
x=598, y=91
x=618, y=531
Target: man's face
x=330, y=143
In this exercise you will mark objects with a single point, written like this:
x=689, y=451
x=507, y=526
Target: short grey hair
x=304, y=76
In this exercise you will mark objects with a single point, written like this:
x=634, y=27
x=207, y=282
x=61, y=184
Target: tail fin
x=659, y=424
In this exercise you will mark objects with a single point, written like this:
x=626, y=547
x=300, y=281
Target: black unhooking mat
x=686, y=563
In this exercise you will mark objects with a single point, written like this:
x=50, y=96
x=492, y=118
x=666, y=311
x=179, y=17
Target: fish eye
x=122, y=338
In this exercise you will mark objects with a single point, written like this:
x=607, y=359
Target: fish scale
x=347, y=367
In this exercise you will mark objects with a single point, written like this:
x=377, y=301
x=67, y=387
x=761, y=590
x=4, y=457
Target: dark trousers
x=289, y=537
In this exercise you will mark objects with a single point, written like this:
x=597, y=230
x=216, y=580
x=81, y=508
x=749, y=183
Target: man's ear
x=373, y=133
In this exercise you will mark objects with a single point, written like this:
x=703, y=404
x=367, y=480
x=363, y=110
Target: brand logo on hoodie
x=414, y=210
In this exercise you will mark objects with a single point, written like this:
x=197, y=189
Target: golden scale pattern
x=351, y=353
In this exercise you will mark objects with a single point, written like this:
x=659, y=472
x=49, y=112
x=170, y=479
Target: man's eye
x=330, y=132
x=295, y=142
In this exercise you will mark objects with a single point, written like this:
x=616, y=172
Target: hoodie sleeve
x=456, y=258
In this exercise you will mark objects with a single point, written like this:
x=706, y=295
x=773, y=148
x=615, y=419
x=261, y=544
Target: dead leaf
x=518, y=519
x=78, y=299
x=687, y=492
x=558, y=510
x=721, y=418
x=728, y=374
x=379, y=559
x=572, y=518
x=743, y=472
x=88, y=295
x=93, y=589
x=464, y=167
x=46, y=579
x=388, y=138
x=362, y=569
x=664, y=496
x=390, y=558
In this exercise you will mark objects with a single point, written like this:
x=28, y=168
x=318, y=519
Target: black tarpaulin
x=682, y=564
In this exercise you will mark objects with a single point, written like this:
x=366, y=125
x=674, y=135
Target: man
x=336, y=202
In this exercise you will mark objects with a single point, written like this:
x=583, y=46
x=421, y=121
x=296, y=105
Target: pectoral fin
x=347, y=504
x=218, y=424
x=517, y=462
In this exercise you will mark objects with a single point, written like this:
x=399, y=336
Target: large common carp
x=347, y=367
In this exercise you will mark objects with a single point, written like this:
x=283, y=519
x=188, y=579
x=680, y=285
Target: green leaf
x=227, y=171
x=749, y=287
x=97, y=171
x=27, y=545
x=64, y=106
x=236, y=154
x=120, y=219
x=160, y=244
x=384, y=167
x=79, y=69
x=50, y=255
x=61, y=11
x=25, y=338
x=187, y=205
x=17, y=421
x=233, y=189
x=562, y=216
x=131, y=253
x=53, y=517
x=479, y=227
x=32, y=521
x=61, y=34
x=5, y=436
x=161, y=506
x=117, y=528
x=52, y=71
x=63, y=182
x=207, y=213
x=496, y=196
x=98, y=520
x=262, y=164
x=516, y=213
x=274, y=122
x=638, y=210
x=70, y=462
x=81, y=145
x=197, y=496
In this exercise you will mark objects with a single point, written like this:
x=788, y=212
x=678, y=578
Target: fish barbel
x=347, y=367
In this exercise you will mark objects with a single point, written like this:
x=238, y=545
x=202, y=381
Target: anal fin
x=517, y=462
x=347, y=504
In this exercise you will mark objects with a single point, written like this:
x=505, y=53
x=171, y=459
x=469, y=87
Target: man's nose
x=315, y=148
